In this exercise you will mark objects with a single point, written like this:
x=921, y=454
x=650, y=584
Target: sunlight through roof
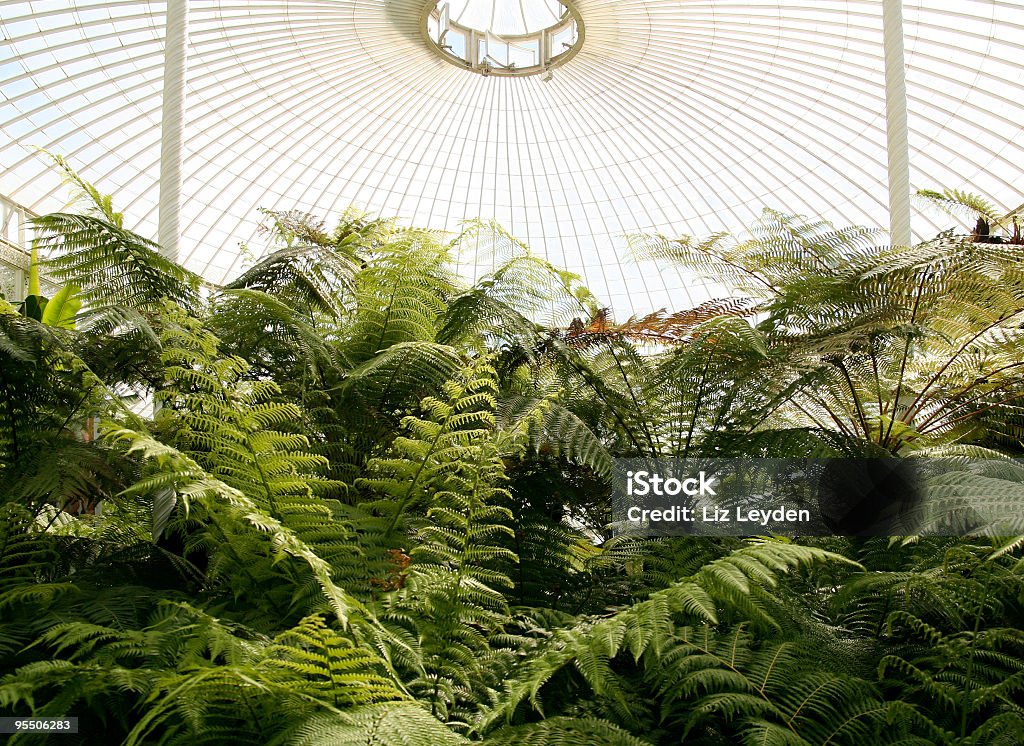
x=674, y=117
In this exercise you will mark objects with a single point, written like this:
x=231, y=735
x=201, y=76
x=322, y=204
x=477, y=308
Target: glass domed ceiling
x=679, y=117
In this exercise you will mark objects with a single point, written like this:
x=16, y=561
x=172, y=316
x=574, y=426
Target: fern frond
x=391, y=724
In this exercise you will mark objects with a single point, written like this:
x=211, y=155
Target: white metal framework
x=674, y=116
x=14, y=259
x=898, y=146
x=172, y=126
x=530, y=37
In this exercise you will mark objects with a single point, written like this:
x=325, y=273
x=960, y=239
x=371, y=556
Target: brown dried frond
x=658, y=327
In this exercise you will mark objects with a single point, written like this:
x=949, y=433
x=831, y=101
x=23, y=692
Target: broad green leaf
x=62, y=308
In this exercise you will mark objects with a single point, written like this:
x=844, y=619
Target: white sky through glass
x=679, y=117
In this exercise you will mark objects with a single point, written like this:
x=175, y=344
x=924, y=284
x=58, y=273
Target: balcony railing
x=15, y=236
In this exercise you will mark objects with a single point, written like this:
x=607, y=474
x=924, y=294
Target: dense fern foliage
x=350, y=499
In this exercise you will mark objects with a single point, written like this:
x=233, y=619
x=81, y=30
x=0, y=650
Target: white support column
x=172, y=126
x=896, y=123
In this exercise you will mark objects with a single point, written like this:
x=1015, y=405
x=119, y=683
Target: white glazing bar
x=172, y=126
x=896, y=123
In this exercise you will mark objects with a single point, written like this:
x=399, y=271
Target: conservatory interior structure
x=572, y=125
x=439, y=372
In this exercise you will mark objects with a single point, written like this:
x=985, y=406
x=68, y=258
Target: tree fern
x=958, y=203
x=305, y=670
x=112, y=265
x=975, y=677
x=310, y=272
x=400, y=295
x=233, y=465
x=732, y=582
x=376, y=510
x=449, y=473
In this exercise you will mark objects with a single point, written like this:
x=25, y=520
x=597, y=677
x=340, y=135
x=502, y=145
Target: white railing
x=15, y=235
